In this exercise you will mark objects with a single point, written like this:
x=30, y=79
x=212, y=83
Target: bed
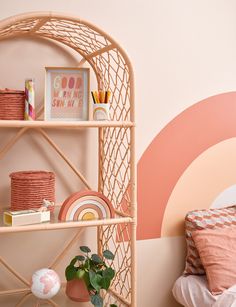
x=211, y=251
x=192, y=291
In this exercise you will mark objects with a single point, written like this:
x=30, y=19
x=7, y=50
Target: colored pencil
x=93, y=98
x=101, y=96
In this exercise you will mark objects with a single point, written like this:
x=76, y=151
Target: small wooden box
x=25, y=217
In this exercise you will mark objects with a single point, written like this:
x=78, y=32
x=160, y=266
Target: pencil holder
x=101, y=111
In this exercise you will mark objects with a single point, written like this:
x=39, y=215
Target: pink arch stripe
x=188, y=135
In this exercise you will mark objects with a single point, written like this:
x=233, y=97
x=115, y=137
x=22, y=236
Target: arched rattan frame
x=117, y=173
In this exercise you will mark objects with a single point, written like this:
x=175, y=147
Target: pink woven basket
x=29, y=188
x=12, y=104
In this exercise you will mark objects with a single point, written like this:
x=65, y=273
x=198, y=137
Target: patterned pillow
x=204, y=219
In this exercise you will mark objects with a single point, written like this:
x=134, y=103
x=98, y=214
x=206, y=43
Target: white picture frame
x=66, y=94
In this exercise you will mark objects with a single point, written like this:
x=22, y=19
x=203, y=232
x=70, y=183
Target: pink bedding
x=192, y=291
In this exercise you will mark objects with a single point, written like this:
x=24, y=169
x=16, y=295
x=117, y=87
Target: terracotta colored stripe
x=172, y=151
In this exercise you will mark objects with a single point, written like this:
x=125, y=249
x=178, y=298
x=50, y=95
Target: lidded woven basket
x=29, y=188
x=12, y=104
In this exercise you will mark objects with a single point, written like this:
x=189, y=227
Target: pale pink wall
x=182, y=51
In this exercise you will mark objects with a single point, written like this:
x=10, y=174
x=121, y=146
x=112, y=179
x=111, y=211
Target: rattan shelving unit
x=116, y=140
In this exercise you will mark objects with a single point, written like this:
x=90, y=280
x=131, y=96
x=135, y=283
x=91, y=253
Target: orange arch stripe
x=172, y=151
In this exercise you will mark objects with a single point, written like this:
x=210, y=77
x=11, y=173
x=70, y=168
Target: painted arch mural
x=189, y=163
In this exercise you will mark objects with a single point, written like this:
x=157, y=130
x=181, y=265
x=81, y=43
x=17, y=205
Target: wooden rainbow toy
x=86, y=205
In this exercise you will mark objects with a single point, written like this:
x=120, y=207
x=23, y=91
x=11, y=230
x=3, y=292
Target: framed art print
x=66, y=94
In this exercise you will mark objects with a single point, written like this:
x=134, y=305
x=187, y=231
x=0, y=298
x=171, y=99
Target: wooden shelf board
x=63, y=124
x=55, y=224
x=60, y=299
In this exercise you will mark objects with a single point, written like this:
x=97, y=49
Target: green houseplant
x=88, y=274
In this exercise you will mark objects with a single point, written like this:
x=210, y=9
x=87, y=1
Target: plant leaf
x=80, y=258
x=96, y=300
x=105, y=283
x=86, y=279
x=87, y=264
x=109, y=273
x=95, y=258
x=95, y=280
x=108, y=255
x=73, y=261
x=70, y=272
x=80, y=273
x=85, y=249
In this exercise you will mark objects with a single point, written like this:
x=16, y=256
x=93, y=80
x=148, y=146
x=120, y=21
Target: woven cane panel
x=114, y=239
x=115, y=177
x=77, y=35
x=22, y=27
x=115, y=76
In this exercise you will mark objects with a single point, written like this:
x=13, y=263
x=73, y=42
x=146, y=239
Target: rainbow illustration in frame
x=86, y=205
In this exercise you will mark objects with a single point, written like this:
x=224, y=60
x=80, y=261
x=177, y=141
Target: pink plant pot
x=77, y=291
